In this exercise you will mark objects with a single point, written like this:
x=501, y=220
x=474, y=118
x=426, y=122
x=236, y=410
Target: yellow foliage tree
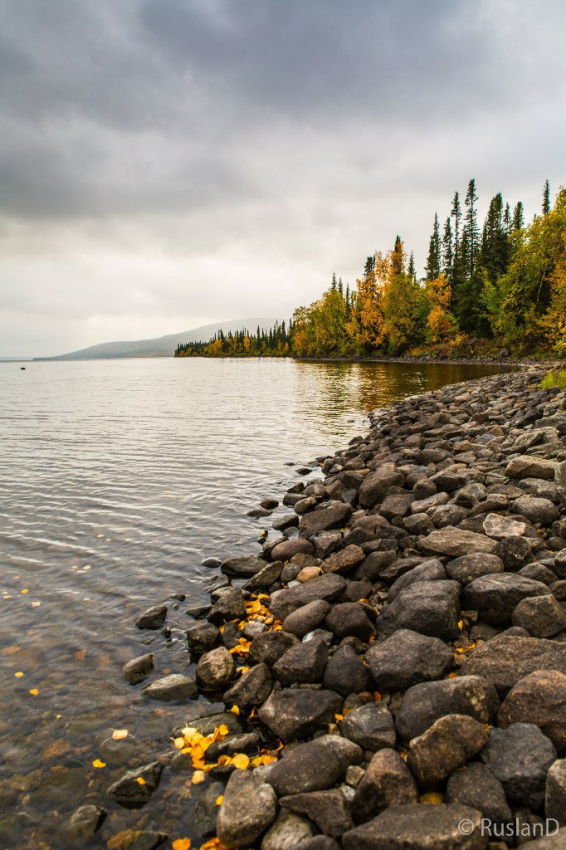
x=440, y=322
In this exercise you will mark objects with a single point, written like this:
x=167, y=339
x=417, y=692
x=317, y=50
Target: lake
x=117, y=478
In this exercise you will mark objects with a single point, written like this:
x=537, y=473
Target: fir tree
x=434, y=252
x=546, y=198
x=518, y=216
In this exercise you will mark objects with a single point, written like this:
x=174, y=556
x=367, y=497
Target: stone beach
x=394, y=663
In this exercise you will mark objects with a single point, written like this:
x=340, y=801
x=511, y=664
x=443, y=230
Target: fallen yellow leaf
x=219, y=800
x=18, y=675
x=181, y=844
x=140, y=780
x=119, y=734
x=25, y=590
x=198, y=777
x=34, y=692
x=235, y=710
x=98, y=763
x=241, y=761
x=223, y=729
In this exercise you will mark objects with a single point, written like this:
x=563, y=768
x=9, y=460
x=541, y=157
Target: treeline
x=486, y=288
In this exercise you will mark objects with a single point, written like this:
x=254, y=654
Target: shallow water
x=116, y=479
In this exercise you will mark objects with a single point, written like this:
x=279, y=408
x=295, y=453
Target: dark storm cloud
x=225, y=156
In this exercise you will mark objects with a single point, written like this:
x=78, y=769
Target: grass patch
x=554, y=379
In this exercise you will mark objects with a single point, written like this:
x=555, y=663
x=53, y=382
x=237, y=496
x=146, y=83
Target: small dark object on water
x=23, y=368
x=304, y=470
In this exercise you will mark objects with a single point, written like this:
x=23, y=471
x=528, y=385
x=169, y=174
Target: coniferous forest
x=497, y=289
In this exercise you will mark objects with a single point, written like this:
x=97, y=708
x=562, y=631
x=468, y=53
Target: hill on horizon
x=163, y=346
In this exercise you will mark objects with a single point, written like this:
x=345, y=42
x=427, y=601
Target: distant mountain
x=163, y=346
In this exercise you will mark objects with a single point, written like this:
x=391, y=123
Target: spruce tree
x=434, y=252
x=447, y=250
x=333, y=284
x=518, y=216
x=546, y=198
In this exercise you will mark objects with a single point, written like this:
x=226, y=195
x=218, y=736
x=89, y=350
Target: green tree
x=434, y=260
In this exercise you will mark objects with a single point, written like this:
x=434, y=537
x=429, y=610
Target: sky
x=169, y=163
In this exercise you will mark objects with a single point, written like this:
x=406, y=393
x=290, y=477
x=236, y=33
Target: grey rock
x=83, y=824
x=542, y=616
x=201, y=637
x=130, y=793
x=288, y=832
x=327, y=587
x=206, y=811
x=344, y=561
x=296, y=713
x=329, y=810
x=138, y=669
x=528, y=466
x=370, y=727
x=469, y=567
x=499, y=527
x=539, y=699
x=230, y=606
x=431, y=570
x=270, y=646
x=377, y=484
x=505, y=660
x=555, y=792
x=308, y=767
x=346, y=673
x=266, y=577
x=302, y=663
x=284, y=522
x=334, y=515
x=549, y=842
x=560, y=564
x=396, y=505
x=288, y=548
x=248, y=742
x=172, y=687
x=418, y=827
x=496, y=596
x=456, y=543
x=428, y=607
x=386, y=782
x=536, y=510
x=477, y=787
x=349, y=619
x=520, y=757
x=215, y=669
x=242, y=567
x=406, y=659
x=423, y=704
x=444, y=747
x=153, y=618
x=251, y=689
x=249, y=807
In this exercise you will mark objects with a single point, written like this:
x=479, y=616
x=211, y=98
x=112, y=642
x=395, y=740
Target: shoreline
x=347, y=655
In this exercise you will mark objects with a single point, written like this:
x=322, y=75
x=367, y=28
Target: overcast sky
x=168, y=163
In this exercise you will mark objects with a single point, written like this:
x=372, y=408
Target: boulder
x=201, y=637
x=477, y=787
x=419, y=827
x=496, y=596
x=296, y=713
x=251, y=689
x=215, y=669
x=560, y=564
x=520, y=757
x=536, y=510
x=349, y=619
x=83, y=824
x=327, y=587
x=153, y=618
x=506, y=660
x=555, y=792
x=539, y=699
x=332, y=515
x=369, y=726
x=270, y=646
x=248, y=808
x=346, y=673
x=407, y=658
x=242, y=567
x=131, y=793
x=542, y=616
x=423, y=704
x=469, y=567
x=529, y=466
x=306, y=619
x=308, y=767
x=428, y=607
x=377, y=484
x=444, y=747
x=303, y=663
x=431, y=570
x=288, y=832
x=329, y=810
x=500, y=527
x=386, y=782
x=455, y=542
x=138, y=669
x=289, y=548
x=266, y=577
x=230, y=606
x=172, y=687
x=344, y=561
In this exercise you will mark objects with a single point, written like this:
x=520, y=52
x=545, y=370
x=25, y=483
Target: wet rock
x=269, y=504
x=288, y=832
x=249, y=807
x=370, y=727
x=207, y=725
x=387, y=782
x=153, y=618
x=477, y=787
x=296, y=713
x=444, y=747
x=172, y=687
x=270, y=646
x=423, y=704
x=469, y=567
x=329, y=810
x=536, y=510
x=349, y=618
x=520, y=757
x=334, y=515
x=288, y=548
x=428, y=607
x=127, y=751
x=251, y=689
x=132, y=794
x=505, y=660
x=201, y=637
x=496, y=596
x=266, y=577
x=136, y=839
x=305, y=619
x=555, y=792
x=249, y=742
x=138, y=669
x=206, y=811
x=230, y=606
x=406, y=659
x=418, y=827
x=215, y=669
x=211, y=563
x=242, y=567
x=327, y=587
x=456, y=543
x=308, y=767
x=302, y=506
x=83, y=825
x=539, y=699
x=528, y=466
x=285, y=522
x=542, y=616
x=344, y=561
x=499, y=527
x=346, y=673
x=302, y=663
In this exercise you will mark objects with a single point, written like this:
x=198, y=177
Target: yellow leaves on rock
x=98, y=763
x=140, y=780
x=19, y=674
x=119, y=734
x=219, y=800
x=241, y=761
x=198, y=777
x=213, y=844
x=181, y=844
x=235, y=710
x=432, y=798
x=241, y=648
x=34, y=692
x=223, y=729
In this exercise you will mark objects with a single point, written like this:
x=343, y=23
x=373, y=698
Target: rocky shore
x=393, y=666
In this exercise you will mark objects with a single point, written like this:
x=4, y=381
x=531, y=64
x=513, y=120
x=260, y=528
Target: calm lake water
x=116, y=479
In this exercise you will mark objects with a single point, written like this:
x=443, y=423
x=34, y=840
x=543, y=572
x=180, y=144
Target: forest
x=497, y=289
